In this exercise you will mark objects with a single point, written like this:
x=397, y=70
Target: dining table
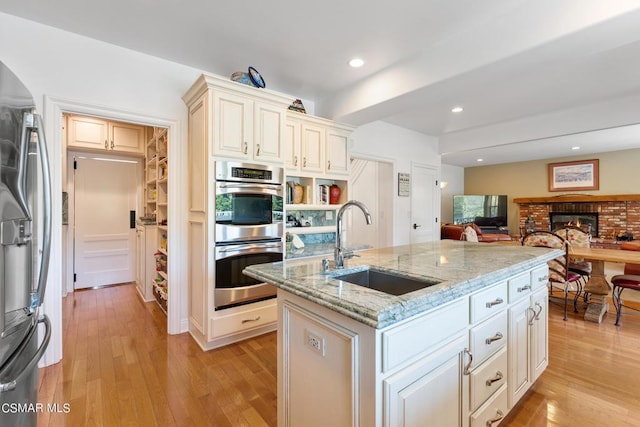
x=598, y=286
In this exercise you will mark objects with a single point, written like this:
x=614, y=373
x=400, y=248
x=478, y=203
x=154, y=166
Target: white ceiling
x=535, y=77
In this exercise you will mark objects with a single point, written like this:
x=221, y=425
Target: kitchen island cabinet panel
x=428, y=393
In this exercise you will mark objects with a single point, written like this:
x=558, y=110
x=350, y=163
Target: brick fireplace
x=615, y=214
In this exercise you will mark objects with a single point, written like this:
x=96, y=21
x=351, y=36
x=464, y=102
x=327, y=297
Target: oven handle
x=238, y=248
x=230, y=186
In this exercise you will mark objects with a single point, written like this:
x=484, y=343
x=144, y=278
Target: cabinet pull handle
x=496, y=302
x=304, y=162
x=496, y=337
x=539, y=311
x=524, y=288
x=106, y=144
x=533, y=317
x=328, y=164
x=255, y=319
x=468, y=365
x=295, y=160
x=499, y=416
x=257, y=149
x=498, y=377
x=543, y=278
x=246, y=148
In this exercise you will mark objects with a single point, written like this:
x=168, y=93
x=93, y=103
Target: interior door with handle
x=424, y=204
x=105, y=195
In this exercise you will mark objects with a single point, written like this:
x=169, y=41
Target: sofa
x=456, y=232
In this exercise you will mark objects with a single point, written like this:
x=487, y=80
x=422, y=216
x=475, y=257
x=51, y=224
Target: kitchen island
x=461, y=351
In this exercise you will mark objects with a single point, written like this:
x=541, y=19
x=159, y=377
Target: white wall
x=402, y=147
x=60, y=65
x=452, y=179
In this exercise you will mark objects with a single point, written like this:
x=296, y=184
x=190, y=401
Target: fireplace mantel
x=578, y=198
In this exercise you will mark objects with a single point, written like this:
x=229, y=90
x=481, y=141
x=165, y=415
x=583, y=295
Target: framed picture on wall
x=574, y=176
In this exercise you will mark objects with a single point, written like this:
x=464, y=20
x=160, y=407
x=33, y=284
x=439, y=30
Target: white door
x=424, y=203
x=372, y=184
x=105, y=194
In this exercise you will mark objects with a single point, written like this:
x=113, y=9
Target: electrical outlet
x=315, y=342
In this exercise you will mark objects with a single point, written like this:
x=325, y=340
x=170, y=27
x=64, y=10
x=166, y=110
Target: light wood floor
x=121, y=368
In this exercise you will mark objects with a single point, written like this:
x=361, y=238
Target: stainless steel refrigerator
x=25, y=243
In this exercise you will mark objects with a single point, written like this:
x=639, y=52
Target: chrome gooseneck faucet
x=339, y=253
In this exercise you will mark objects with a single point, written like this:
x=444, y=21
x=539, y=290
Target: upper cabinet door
x=268, y=131
x=312, y=148
x=87, y=132
x=99, y=134
x=125, y=137
x=337, y=151
x=233, y=130
x=291, y=147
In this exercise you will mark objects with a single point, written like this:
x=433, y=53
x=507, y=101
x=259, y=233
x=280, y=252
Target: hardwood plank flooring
x=121, y=368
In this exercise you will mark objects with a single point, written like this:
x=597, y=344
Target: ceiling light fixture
x=575, y=147
x=356, y=63
x=457, y=110
x=480, y=160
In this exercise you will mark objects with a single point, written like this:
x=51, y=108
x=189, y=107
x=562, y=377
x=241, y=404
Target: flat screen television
x=488, y=210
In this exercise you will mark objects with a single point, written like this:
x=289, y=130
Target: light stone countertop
x=462, y=267
x=316, y=249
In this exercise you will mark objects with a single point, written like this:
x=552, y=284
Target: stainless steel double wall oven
x=249, y=227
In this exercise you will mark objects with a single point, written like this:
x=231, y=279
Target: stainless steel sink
x=383, y=281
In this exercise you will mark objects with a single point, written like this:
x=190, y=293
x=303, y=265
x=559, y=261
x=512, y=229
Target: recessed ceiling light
x=480, y=160
x=457, y=110
x=356, y=63
x=575, y=147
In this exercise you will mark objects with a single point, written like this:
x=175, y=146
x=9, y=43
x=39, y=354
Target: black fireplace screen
x=587, y=221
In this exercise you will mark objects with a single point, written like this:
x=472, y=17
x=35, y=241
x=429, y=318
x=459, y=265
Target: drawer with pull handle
x=488, y=337
x=493, y=411
x=539, y=277
x=244, y=320
x=519, y=286
x=488, y=378
x=488, y=302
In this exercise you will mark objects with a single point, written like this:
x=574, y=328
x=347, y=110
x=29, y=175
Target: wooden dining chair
x=559, y=274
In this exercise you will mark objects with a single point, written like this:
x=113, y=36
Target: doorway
x=105, y=205
x=372, y=184
x=424, y=203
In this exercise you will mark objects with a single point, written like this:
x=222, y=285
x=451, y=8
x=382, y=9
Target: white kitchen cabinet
x=429, y=392
x=528, y=337
x=234, y=121
x=269, y=122
x=98, y=134
x=317, y=146
x=481, y=353
x=146, y=245
x=337, y=151
x=247, y=128
x=312, y=145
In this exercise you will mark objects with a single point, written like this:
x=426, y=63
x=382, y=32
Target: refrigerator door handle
x=10, y=385
x=38, y=297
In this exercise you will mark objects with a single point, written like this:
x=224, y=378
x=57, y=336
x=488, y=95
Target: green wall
x=619, y=174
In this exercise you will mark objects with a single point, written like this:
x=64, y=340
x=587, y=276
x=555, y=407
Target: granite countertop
x=461, y=267
x=316, y=249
